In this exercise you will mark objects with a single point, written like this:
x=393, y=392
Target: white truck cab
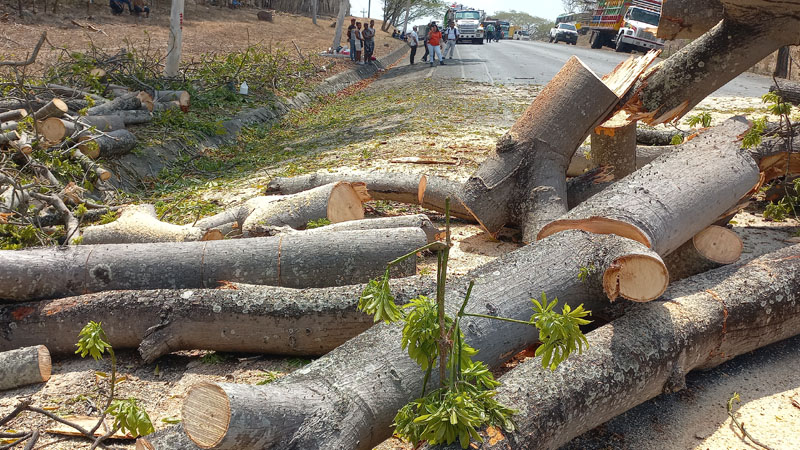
x=638, y=31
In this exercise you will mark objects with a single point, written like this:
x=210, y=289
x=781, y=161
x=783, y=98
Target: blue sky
x=549, y=9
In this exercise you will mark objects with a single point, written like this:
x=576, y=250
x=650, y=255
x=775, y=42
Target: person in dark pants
x=351, y=38
x=425, y=43
x=118, y=6
x=369, y=41
x=139, y=7
x=413, y=42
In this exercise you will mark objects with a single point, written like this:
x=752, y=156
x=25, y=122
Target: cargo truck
x=625, y=25
x=468, y=21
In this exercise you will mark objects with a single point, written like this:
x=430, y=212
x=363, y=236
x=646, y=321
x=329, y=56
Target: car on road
x=564, y=32
x=521, y=35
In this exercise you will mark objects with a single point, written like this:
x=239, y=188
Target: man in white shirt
x=413, y=41
x=451, y=37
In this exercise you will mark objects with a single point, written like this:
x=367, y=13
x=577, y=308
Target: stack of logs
x=64, y=117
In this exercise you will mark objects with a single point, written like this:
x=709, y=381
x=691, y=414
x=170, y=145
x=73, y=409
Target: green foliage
x=80, y=210
x=13, y=237
x=756, y=132
x=109, y=217
x=317, y=223
x=298, y=362
x=676, y=139
x=269, y=377
x=377, y=300
x=585, y=271
x=703, y=118
x=421, y=331
x=171, y=420
x=559, y=334
x=92, y=340
x=129, y=417
x=213, y=358
x=777, y=106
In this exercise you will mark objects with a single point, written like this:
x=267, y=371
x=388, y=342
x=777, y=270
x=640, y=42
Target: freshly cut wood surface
x=54, y=108
x=291, y=260
x=699, y=323
x=674, y=197
x=711, y=248
x=23, y=366
x=349, y=397
x=139, y=224
x=55, y=129
x=613, y=144
x=238, y=318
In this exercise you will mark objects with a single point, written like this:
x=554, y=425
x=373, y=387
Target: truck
x=625, y=25
x=468, y=21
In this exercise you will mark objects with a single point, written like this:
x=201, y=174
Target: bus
x=505, y=26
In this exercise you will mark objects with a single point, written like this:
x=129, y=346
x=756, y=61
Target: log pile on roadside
x=638, y=217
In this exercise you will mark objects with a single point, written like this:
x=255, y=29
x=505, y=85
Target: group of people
x=433, y=41
x=361, y=41
x=493, y=34
x=136, y=8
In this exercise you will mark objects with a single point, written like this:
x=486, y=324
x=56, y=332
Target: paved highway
x=534, y=62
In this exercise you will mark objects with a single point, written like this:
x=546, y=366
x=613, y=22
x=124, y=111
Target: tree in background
x=578, y=5
x=538, y=27
x=394, y=11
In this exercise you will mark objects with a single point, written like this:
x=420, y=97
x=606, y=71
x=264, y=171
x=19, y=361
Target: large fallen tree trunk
x=749, y=32
x=337, y=202
x=238, y=318
x=410, y=188
x=674, y=197
x=348, y=398
x=139, y=224
x=523, y=183
x=711, y=248
x=23, y=366
x=788, y=90
x=290, y=260
x=125, y=102
x=688, y=19
x=107, y=145
x=699, y=323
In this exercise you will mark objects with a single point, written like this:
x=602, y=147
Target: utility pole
x=363, y=11
x=408, y=8
x=175, y=39
x=369, y=9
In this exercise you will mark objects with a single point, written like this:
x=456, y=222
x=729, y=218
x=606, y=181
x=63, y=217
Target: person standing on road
x=351, y=39
x=451, y=37
x=413, y=42
x=434, y=44
x=489, y=32
x=369, y=41
x=425, y=43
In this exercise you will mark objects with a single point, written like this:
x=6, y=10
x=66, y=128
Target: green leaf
x=129, y=417
x=92, y=341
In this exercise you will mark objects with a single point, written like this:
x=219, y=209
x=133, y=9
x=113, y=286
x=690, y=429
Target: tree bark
x=650, y=349
x=337, y=37
x=680, y=82
x=337, y=202
x=524, y=182
x=297, y=261
x=90, y=166
x=23, y=144
x=348, y=398
x=674, y=197
x=182, y=97
x=56, y=130
x=582, y=161
x=709, y=249
x=170, y=438
x=613, y=144
x=139, y=224
x=126, y=102
x=239, y=318
x=8, y=136
x=782, y=63
x=409, y=188
x=175, y=40
x=414, y=221
x=108, y=145
x=648, y=136
x=106, y=123
x=54, y=108
x=788, y=90
x=23, y=366
x=14, y=114
x=688, y=19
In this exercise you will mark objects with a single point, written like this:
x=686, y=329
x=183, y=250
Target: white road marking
x=458, y=55
x=491, y=80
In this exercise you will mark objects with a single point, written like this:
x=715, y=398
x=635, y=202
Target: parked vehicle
x=578, y=19
x=564, y=32
x=522, y=35
x=468, y=21
x=626, y=25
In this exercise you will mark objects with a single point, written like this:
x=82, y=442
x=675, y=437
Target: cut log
x=14, y=114
x=23, y=144
x=90, y=166
x=170, y=438
x=613, y=144
x=788, y=90
x=24, y=366
x=139, y=224
x=105, y=123
x=337, y=202
x=146, y=100
x=54, y=108
x=126, y=102
x=700, y=323
x=108, y=145
x=348, y=398
x=166, y=106
x=55, y=129
x=9, y=126
x=418, y=220
x=581, y=188
x=709, y=249
x=75, y=93
x=297, y=261
x=238, y=318
x=688, y=19
x=8, y=136
x=409, y=188
x=674, y=197
x=649, y=136
x=524, y=182
x=582, y=161
x=136, y=116
x=182, y=97
x=680, y=82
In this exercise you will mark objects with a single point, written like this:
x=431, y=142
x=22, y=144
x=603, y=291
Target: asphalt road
x=534, y=62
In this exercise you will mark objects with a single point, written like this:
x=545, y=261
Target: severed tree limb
x=32, y=58
x=699, y=323
x=72, y=231
x=674, y=197
x=418, y=220
x=293, y=260
x=688, y=19
x=138, y=224
x=707, y=250
x=348, y=398
x=23, y=366
x=238, y=318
